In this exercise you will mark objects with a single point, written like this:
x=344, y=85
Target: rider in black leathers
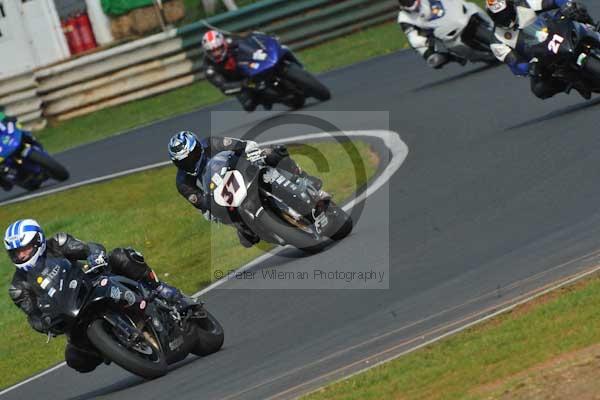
x=510, y=17
x=191, y=154
x=221, y=68
x=64, y=248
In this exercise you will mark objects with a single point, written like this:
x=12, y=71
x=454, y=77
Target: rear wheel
x=210, y=336
x=311, y=85
x=52, y=167
x=592, y=66
x=144, y=359
x=297, y=102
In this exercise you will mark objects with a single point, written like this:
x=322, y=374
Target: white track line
x=26, y=381
x=86, y=182
x=391, y=139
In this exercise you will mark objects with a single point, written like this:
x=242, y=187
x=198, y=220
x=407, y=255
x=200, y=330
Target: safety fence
x=172, y=59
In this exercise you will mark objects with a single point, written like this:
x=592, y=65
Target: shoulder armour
x=61, y=238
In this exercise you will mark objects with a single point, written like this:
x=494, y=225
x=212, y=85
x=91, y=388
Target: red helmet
x=502, y=12
x=215, y=45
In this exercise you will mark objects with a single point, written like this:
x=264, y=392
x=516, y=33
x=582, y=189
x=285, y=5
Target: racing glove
x=253, y=151
x=95, y=261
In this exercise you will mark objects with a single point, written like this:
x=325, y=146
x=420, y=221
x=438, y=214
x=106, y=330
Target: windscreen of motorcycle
x=261, y=53
x=59, y=286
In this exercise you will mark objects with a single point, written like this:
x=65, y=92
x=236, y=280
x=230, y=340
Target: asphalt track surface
x=499, y=195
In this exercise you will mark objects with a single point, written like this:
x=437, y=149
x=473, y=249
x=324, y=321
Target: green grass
x=359, y=46
x=152, y=217
x=456, y=367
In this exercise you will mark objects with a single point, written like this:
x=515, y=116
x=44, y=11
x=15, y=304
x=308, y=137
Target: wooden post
x=158, y=5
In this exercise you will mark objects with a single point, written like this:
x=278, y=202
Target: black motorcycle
x=278, y=206
x=117, y=318
x=568, y=50
x=275, y=74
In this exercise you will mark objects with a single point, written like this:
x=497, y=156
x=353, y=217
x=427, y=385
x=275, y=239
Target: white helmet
x=215, y=45
x=25, y=242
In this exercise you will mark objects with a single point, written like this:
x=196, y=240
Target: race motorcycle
x=278, y=206
x=461, y=29
x=120, y=321
x=23, y=160
x=275, y=74
x=568, y=49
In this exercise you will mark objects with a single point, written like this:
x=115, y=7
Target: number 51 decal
x=555, y=43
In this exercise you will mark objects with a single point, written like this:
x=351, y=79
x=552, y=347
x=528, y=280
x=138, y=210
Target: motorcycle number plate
x=232, y=190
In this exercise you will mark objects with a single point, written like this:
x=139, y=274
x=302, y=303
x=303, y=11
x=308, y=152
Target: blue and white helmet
x=186, y=152
x=25, y=242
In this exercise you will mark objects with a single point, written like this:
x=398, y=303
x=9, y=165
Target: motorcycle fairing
x=259, y=53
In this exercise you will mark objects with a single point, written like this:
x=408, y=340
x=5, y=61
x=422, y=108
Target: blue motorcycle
x=23, y=160
x=275, y=74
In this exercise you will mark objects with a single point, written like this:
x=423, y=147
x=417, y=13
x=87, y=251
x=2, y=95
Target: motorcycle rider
x=7, y=124
x=190, y=155
x=416, y=18
x=221, y=69
x=510, y=17
x=31, y=253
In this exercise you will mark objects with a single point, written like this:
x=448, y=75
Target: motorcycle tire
x=210, y=336
x=98, y=333
x=54, y=169
x=290, y=234
x=592, y=66
x=340, y=223
x=308, y=82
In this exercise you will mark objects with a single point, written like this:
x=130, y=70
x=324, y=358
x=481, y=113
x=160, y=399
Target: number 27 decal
x=555, y=43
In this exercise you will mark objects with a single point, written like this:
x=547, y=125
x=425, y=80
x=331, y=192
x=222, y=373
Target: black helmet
x=187, y=153
x=409, y=5
x=502, y=12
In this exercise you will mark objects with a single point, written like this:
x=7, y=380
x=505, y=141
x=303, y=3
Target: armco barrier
x=172, y=59
x=19, y=96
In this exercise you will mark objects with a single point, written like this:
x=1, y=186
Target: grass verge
x=487, y=361
x=152, y=217
x=111, y=121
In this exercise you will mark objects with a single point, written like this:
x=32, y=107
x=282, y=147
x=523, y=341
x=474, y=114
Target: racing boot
x=5, y=184
x=247, y=237
x=171, y=295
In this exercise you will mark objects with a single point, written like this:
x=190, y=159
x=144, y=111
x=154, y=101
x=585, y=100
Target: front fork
x=125, y=330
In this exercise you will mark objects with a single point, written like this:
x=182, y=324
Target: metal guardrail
x=19, y=96
x=172, y=59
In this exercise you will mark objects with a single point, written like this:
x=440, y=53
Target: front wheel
x=210, y=336
x=311, y=85
x=340, y=223
x=144, y=359
x=52, y=167
x=290, y=234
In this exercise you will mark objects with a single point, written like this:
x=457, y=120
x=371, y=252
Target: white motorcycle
x=459, y=28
